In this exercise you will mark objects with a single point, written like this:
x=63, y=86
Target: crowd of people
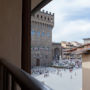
x=75, y=63
x=45, y=71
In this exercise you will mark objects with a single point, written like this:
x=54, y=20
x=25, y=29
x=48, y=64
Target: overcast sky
x=72, y=19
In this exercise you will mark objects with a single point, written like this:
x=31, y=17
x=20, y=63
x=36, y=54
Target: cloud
x=68, y=4
x=72, y=19
x=73, y=30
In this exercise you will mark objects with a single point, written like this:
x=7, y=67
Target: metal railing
x=12, y=76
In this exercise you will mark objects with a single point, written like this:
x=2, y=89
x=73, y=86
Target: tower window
x=43, y=34
x=41, y=17
x=48, y=34
x=51, y=20
x=45, y=18
x=48, y=19
x=32, y=32
x=37, y=16
x=38, y=34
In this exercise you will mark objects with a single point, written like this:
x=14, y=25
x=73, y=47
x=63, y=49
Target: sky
x=72, y=19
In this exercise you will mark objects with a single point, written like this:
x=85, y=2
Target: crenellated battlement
x=46, y=12
x=44, y=17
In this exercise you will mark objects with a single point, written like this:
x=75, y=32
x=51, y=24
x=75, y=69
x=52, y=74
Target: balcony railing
x=12, y=76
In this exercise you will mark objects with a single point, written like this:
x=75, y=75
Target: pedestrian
x=71, y=77
x=60, y=74
x=75, y=73
x=70, y=70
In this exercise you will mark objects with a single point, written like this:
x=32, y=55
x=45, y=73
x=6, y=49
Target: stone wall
x=41, y=38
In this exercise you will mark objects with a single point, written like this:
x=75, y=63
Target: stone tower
x=41, y=38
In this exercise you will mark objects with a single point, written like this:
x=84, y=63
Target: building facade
x=56, y=51
x=61, y=51
x=41, y=38
x=66, y=46
x=86, y=40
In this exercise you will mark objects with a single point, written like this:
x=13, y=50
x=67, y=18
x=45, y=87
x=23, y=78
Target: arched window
x=48, y=34
x=51, y=20
x=48, y=18
x=37, y=16
x=43, y=34
x=38, y=34
x=45, y=18
x=32, y=32
x=48, y=26
x=41, y=17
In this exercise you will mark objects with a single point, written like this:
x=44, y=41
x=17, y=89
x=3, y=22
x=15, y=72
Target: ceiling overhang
x=38, y=4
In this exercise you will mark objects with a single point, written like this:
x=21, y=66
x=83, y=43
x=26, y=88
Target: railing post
x=13, y=85
x=13, y=78
x=1, y=77
x=6, y=79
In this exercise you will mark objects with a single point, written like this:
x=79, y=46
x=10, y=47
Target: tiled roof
x=80, y=49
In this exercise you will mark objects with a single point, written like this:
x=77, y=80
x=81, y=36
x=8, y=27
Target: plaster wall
x=86, y=71
x=10, y=30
